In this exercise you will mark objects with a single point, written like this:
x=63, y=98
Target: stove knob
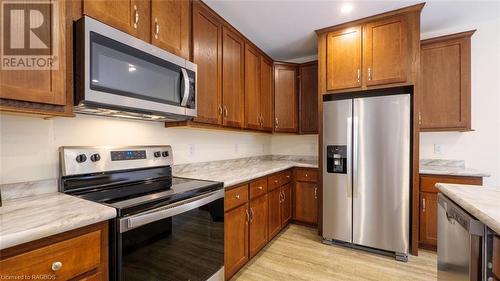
x=164, y=154
x=80, y=158
x=157, y=154
x=95, y=157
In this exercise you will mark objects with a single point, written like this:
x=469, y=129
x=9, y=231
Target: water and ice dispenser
x=336, y=159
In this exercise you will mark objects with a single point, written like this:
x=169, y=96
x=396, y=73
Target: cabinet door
x=170, y=26
x=132, y=17
x=285, y=98
x=385, y=50
x=258, y=224
x=41, y=86
x=235, y=239
x=286, y=205
x=446, y=85
x=266, y=93
x=343, y=61
x=308, y=98
x=207, y=54
x=252, y=88
x=274, y=210
x=306, y=202
x=233, y=50
x=428, y=219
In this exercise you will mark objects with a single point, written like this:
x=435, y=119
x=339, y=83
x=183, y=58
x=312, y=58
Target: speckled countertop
x=480, y=201
x=449, y=167
x=233, y=172
x=30, y=218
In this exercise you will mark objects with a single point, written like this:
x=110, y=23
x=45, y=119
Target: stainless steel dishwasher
x=460, y=243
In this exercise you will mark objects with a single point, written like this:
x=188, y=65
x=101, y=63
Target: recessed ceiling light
x=346, y=8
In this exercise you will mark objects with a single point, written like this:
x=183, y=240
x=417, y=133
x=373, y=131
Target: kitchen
x=256, y=144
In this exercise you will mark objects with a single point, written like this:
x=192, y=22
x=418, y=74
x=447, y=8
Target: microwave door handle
x=127, y=224
x=185, y=95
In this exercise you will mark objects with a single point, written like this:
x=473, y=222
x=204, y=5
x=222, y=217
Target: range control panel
x=128, y=155
x=336, y=159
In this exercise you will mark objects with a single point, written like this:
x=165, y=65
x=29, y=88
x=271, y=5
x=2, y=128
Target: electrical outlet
x=191, y=150
x=438, y=149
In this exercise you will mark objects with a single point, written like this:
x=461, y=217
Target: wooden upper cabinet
x=385, y=51
x=252, y=88
x=132, y=17
x=446, y=83
x=343, y=62
x=285, y=98
x=207, y=54
x=170, y=25
x=40, y=86
x=233, y=50
x=308, y=98
x=266, y=93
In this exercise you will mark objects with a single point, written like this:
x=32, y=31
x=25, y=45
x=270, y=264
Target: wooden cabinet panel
x=266, y=93
x=285, y=98
x=258, y=188
x=307, y=175
x=40, y=86
x=76, y=256
x=235, y=239
x=428, y=182
x=258, y=224
x=252, y=88
x=233, y=78
x=170, y=26
x=235, y=197
x=132, y=17
x=496, y=256
x=207, y=54
x=274, y=210
x=343, y=61
x=306, y=202
x=385, y=51
x=428, y=219
x=279, y=179
x=308, y=98
x=445, y=97
x=286, y=205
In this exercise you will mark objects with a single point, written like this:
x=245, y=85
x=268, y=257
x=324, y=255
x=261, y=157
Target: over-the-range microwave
x=119, y=75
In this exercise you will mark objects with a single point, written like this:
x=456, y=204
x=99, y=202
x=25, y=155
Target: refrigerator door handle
x=349, y=157
x=355, y=154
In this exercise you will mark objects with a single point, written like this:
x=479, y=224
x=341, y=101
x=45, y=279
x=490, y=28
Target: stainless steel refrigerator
x=366, y=175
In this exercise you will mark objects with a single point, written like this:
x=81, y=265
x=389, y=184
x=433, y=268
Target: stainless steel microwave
x=119, y=75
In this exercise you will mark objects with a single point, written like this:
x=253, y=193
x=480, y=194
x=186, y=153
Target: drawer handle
x=259, y=188
x=288, y=176
x=275, y=181
x=56, y=265
x=237, y=196
x=306, y=175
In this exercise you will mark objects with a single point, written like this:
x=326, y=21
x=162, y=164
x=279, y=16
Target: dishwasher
x=460, y=243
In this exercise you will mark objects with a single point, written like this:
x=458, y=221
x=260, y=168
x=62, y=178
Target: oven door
x=182, y=241
x=119, y=70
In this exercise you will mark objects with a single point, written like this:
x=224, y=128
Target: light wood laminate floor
x=298, y=254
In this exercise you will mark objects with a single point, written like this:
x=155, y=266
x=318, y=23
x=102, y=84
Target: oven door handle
x=164, y=212
x=185, y=95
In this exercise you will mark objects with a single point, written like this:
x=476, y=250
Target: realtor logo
x=29, y=32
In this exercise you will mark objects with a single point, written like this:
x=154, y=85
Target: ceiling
x=284, y=29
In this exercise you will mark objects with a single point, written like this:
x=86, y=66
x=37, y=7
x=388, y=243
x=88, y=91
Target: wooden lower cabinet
x=286, y=204
x=80, y=254
x=428, y=205
x=258, y=224
x=235, y=239
x=306, y=202
x=274, y=221
x=496, y=256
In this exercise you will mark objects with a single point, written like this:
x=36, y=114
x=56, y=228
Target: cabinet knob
x=306, y=175
x=237, y=196
x=275, y=181
x=259, y=188
x=288, y=176
x=56, y=265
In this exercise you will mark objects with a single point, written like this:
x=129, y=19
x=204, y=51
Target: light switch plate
x=438, y=149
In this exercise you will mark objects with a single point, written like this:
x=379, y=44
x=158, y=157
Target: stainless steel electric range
x=167, y=228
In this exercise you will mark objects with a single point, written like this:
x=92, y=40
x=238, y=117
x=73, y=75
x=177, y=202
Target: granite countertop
x=448, y=167
x=30, y=218
x=480, y=201
x=233, y=172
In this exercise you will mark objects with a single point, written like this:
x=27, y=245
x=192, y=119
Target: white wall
x=28, y=148
x=481, y=148
x=295, y=145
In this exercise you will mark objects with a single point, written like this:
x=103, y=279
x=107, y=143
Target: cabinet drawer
x=236, y=197
x=74, y=257
x=496, y=256
x=258, y=188
x=427, y=183
x=307, y=175
x=279, y=179
x=95, y=277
